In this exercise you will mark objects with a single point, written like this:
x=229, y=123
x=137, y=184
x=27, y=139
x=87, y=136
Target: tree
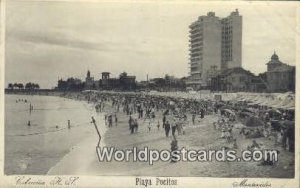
x=167, y=77
x=10, y=86
x=31, y=86
x=36, y=86
x=28, y=86
x=21, y=86
x=15, y=85
x=62, y=85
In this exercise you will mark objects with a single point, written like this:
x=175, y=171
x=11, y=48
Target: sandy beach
x=83, y=160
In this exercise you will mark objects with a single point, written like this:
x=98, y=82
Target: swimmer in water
x=69, y=124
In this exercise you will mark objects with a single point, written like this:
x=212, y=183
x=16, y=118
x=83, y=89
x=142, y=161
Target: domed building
x=280, y=76
x=274, y=62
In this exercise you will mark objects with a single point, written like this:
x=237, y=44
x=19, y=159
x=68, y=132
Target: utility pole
x=147, y=82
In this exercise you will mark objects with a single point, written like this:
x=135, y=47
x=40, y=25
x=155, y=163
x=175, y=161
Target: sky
x=47, y=41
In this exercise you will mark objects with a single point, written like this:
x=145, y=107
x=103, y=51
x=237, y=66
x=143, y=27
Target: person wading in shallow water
x=69, y=124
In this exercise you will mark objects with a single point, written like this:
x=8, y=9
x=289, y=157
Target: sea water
x=35, y=148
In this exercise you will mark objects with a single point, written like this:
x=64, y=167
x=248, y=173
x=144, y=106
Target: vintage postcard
x=149, y=94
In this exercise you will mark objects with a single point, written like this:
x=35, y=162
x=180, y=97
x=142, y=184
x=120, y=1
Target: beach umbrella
x=223, y=107
x=282, y=103
x=229, y=111
x=248, y=110
x=274, y=112
x=274, y=102
x=291, y=108
x=289, y=105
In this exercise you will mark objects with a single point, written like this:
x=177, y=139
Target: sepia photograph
x=150, y=91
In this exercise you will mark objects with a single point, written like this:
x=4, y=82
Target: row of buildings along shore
x=215, y=63
x=216, y=59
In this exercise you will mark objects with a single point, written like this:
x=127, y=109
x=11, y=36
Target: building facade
x=215, y=44
x=89, y=81
x=124, y=82
x=231, y=41
x=237, y=80
x=280, y=76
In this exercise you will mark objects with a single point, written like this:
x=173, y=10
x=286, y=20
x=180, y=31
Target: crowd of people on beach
x=252, y=121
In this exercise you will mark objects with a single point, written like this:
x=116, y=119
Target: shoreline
x=201, y=135
x=82, y=151
x=120, y=138
x=45, y=153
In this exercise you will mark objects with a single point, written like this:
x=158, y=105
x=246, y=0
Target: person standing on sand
x=30, y=108
x=136, y=126
x=105, y=117
x=110, y=120
x=193, y=117
x=150, y=124
x=131, y=126
x=116, y=119
x=174, y=127
x=174, y=148
x=142, y=112
x=158, y=125
x=167, y=128
x=164, y=120
x=172, y=121
x=202, y=113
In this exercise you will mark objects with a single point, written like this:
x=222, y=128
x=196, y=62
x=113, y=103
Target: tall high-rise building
x=231, y=41
x=215, y=44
